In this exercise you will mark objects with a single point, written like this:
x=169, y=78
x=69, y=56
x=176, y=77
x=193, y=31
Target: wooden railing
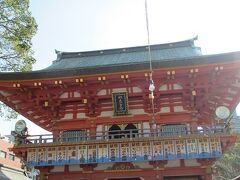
x=133, y=133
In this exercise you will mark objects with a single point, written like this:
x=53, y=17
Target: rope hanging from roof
x=151, y=85
x=149, y=48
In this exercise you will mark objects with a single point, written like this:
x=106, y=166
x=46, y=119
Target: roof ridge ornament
x=192, y=41
x=195, y=38
x=59, y=54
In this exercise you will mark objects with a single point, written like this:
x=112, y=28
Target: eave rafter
x=48, y=100
x=223, y=90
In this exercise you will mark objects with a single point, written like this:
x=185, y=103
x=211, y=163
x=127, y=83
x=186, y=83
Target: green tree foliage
x=228, y=166
x=17, y=28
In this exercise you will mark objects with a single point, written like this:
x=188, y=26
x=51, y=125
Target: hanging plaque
x=120, y=103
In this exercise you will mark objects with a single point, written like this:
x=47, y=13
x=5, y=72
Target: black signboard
x=120, y=103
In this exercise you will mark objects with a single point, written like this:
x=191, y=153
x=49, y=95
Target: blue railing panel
x=125, y=152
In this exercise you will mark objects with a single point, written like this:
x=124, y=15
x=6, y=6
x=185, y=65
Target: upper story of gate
x=84, y=90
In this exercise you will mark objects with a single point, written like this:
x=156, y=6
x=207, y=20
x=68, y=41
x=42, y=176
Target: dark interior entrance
x=130, y=131
x=114, y=132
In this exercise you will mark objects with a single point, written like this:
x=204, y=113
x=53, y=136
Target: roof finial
x=195, y=38
x=59, y=54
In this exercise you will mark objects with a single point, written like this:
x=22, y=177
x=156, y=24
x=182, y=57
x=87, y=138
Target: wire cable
x=151, y=86
x=148, y=36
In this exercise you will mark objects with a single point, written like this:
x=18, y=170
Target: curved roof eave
x=188, y=42
x=168, y=63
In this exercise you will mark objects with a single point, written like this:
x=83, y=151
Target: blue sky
x=81, y=25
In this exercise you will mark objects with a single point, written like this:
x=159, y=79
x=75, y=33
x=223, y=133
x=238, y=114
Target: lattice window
x=74, y=135
x=173, y=130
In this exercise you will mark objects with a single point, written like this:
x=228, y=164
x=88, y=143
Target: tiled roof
x=178, y=54
x=132, y=55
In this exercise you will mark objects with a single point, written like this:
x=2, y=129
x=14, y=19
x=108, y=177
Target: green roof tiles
x=132, y=55
x=177, y=54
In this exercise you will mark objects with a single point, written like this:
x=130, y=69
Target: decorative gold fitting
x=58, y=82
x=46, y=103
x=151, y=96
x=194, y=93
x=37, y=83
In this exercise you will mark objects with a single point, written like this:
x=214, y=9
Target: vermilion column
x=55, y=135
x=93, y=130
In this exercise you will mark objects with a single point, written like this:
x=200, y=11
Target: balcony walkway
x=125, y=135
x=131, y=146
